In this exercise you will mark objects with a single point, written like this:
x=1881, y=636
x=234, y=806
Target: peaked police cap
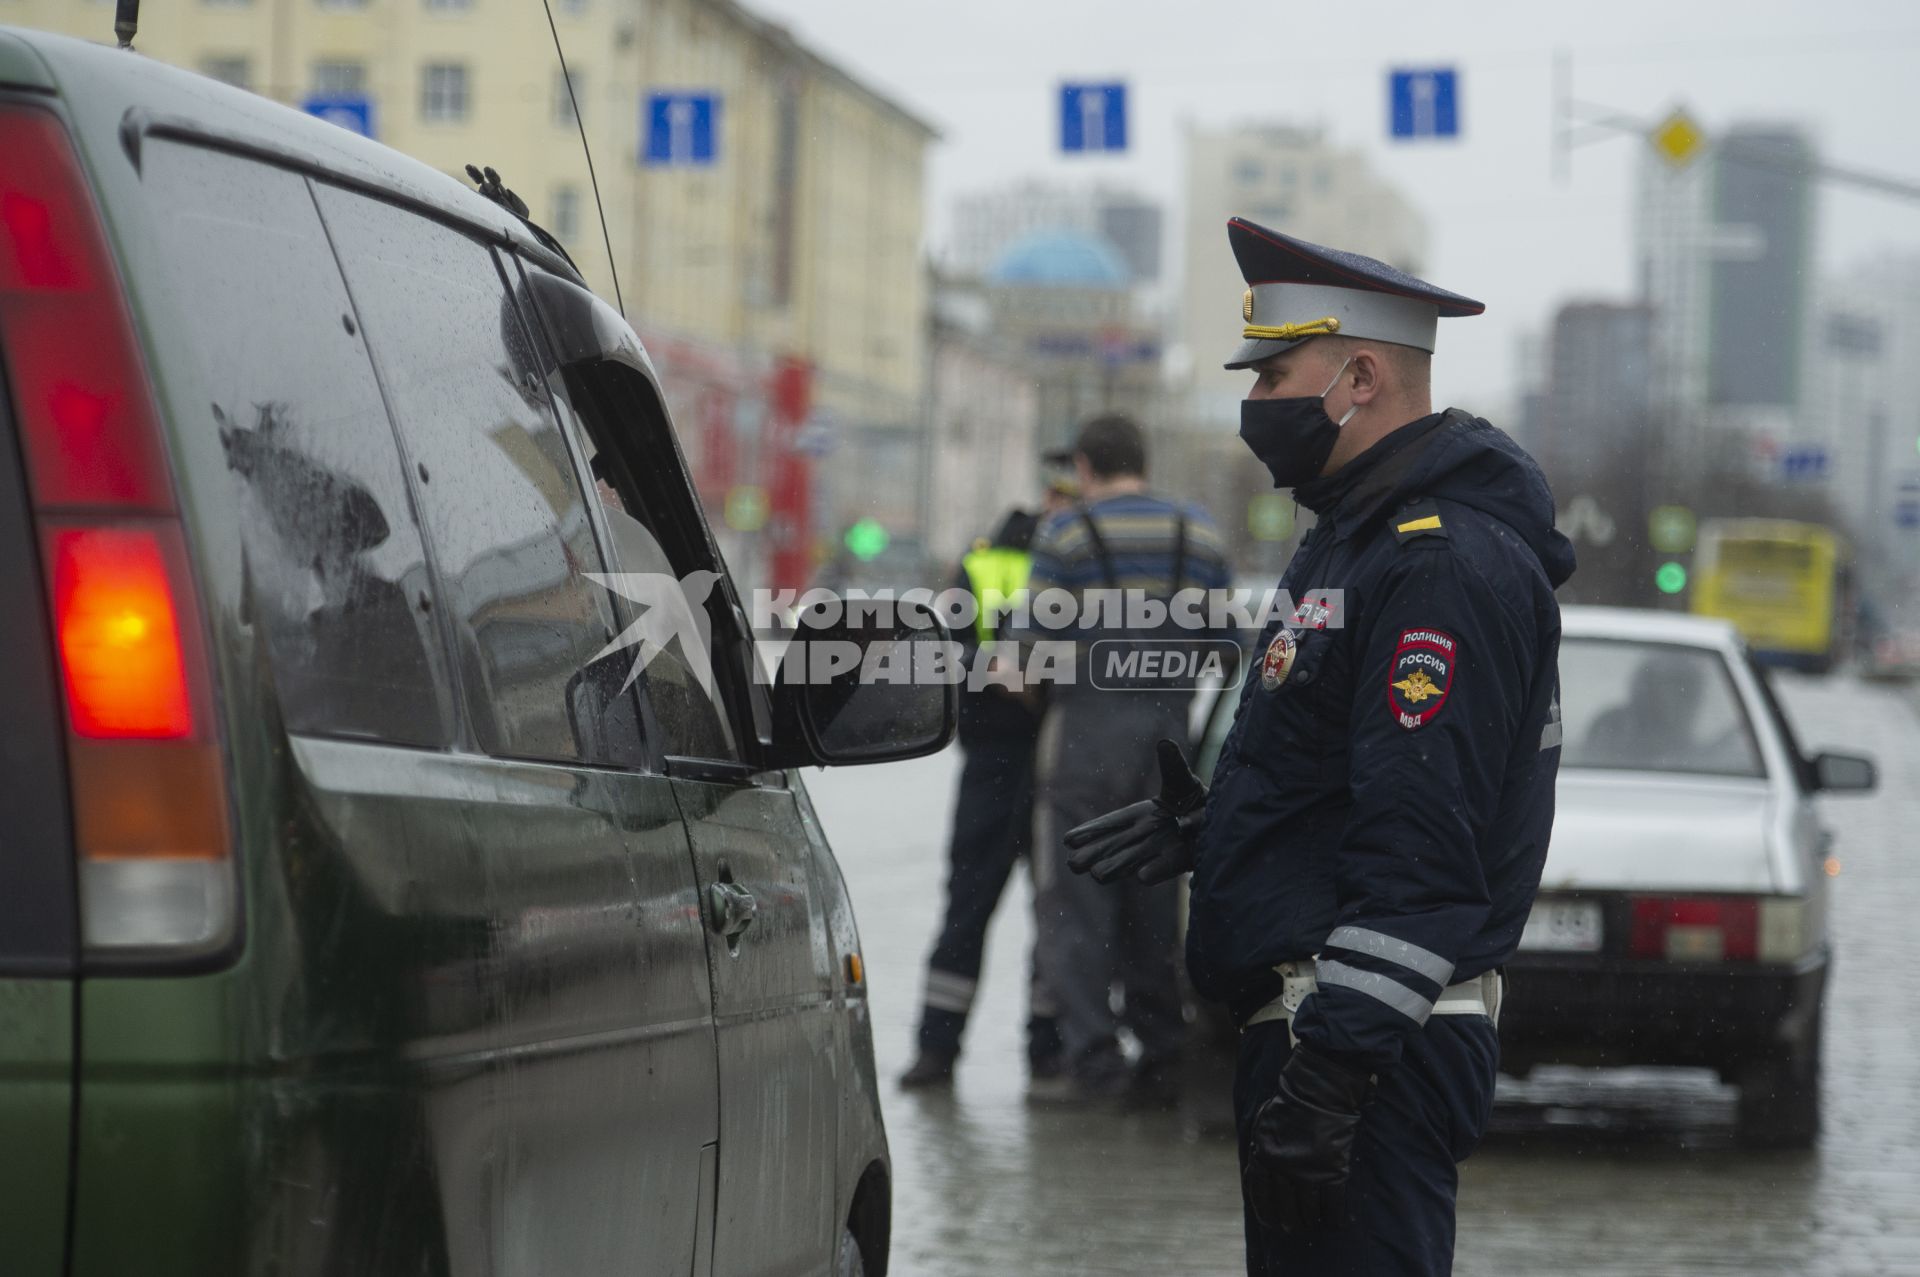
x=1297, y=290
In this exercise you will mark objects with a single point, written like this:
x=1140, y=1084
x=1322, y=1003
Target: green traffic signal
x=1670, y=578
x=866, y=539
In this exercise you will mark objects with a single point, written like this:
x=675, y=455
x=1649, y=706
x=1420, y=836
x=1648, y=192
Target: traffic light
x=866, y=540
x=1670, y=577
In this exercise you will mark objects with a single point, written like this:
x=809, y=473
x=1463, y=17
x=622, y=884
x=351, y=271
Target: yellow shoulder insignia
x=1421, y=518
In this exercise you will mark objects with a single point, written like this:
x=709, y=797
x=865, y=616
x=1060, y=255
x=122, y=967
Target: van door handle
x=731, y=909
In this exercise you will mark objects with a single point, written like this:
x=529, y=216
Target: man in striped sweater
x=1095, y=754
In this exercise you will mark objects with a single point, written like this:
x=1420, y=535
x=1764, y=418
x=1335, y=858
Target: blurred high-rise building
x=781, y=247
x=1292, y=180
x=987, y=223
x=1598, y=406
x=1592, y=428
x=1863, y=404
x=1725, y=247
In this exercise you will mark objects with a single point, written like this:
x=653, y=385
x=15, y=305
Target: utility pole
x=1562, y=114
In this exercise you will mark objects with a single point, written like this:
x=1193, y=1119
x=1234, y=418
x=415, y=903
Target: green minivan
x=367, y=905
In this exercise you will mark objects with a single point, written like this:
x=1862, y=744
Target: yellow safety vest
x=997, y=575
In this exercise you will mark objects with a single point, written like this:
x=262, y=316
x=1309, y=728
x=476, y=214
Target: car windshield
x=1653, y=707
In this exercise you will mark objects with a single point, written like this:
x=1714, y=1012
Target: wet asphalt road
x=1584, y=1172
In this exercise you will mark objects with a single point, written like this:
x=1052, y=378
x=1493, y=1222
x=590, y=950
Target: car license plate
x=1569, y=926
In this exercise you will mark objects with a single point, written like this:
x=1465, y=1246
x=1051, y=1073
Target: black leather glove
x=1153, y=839
x=1302, y=1146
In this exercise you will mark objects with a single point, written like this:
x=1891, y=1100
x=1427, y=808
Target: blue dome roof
x=1060, y=259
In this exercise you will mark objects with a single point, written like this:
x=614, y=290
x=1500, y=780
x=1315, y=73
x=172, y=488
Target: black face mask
x=1292, y=437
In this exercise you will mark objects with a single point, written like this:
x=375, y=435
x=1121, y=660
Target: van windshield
x=1653, y=707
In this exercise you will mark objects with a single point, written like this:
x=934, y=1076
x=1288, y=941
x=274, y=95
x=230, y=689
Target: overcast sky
x=986, y=73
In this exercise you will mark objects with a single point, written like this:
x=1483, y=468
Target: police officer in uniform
x=1372, y=839
x=992, y=813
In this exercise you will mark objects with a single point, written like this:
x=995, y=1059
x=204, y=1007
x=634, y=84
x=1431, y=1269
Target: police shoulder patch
x=1420, y=676
x=1418, y=519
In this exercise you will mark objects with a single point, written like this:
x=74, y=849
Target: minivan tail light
x=119, y=633
x=144, y=765
x=1695, y=928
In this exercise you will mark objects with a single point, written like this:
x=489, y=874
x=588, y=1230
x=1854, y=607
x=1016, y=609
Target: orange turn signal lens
x=856, y=970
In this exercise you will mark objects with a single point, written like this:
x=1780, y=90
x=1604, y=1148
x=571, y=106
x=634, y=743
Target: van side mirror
x=1843, y=773
x=870, y=681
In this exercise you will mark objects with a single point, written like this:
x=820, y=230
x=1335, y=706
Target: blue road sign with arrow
x=680, y=128
x=1424, y=103
x=1093, y=117
x=351, y=111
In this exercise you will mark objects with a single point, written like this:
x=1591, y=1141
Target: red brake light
x=119, y=634
x=88, y=428
x=1700, y=928
x=39, y=260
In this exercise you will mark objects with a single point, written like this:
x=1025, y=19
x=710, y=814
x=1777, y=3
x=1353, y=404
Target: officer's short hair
x=1411, y=365
x=1113, y=445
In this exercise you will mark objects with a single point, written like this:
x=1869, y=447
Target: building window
x=443, y=93
x=339, y=78
x=233, y=70
x=449, y=4
x=226, y=4
x=341, y=4
x=564, y=221
x=563, y=102
x=573, y=8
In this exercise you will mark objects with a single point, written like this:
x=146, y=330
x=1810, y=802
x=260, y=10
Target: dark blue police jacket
x=1384, y=799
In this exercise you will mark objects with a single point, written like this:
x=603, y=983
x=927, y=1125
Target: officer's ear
x=1367, y=375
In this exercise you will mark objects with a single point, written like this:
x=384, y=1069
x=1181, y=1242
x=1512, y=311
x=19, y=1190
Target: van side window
x=654, y=527
x=336, y=579
x=682, y=700
x=500, y=495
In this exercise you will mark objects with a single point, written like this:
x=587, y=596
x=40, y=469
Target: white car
x=1682, y=915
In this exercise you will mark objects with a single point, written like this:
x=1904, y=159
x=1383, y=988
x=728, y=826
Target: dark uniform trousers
x=1426, y=1116
x=1096, y=754
x=992, y=830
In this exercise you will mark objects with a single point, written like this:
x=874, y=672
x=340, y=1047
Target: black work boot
x=927, y=1072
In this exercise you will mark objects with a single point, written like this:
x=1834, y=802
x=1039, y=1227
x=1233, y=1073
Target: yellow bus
x=1781, y=583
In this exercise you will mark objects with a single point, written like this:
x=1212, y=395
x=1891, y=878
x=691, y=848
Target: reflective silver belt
x=1478, y=996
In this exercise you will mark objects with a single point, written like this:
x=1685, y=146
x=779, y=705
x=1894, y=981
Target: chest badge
x=1278, y=662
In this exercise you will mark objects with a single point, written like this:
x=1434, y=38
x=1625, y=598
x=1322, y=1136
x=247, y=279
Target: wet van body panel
x=473, y=1052
x=773, y=1005
x=21, y=67
x=36, y=1108
x=864, y=1169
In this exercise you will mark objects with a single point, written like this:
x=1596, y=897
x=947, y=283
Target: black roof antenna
x=126, y=21
x=585, y=149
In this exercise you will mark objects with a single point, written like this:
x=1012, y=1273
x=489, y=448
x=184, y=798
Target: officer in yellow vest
x=993, y=816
